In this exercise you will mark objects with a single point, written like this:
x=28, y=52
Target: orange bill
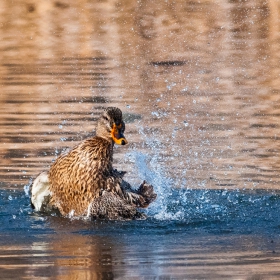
x=117, y=136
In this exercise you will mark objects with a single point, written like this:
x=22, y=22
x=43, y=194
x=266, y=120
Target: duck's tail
x=40, y=192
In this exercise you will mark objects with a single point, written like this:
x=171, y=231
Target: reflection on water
x=199, y=84
x=202, y=76
x=218, y=235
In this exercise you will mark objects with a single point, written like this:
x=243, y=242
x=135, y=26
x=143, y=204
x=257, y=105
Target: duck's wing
x=141, y=197
x=147, y=192
x=111, y=207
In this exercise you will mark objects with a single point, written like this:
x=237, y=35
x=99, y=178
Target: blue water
x=188, y=234
x=197, y=234
x=209, y=211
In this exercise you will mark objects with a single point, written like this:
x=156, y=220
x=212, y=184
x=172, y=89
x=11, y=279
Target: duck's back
x=76, y=178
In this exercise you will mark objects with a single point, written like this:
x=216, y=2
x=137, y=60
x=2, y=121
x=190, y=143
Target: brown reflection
x=68, y=255
x=87, y=258
x=247, y=36
x=74, y=256
x=203, y=76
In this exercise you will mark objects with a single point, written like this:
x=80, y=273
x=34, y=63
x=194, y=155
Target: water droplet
x=169, y=87
x=155, y=114
x=26, y=189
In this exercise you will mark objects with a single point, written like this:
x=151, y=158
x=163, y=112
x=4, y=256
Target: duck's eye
x=105, y=118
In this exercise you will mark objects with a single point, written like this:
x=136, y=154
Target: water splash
x=210, y=208
x=150, y=169
x=26, y=187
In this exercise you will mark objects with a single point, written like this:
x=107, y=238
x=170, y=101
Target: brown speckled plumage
x=84, y=183
x=79, y=176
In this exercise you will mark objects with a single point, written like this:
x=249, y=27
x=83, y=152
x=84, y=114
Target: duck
x=83, y=182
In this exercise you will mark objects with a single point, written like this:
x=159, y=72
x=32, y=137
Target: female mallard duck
x=84, y=183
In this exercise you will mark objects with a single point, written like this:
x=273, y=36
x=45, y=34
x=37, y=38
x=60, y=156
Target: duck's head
x=111, y=126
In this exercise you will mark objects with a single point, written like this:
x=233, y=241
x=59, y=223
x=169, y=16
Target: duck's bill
x=120, y=141
x=118, y=137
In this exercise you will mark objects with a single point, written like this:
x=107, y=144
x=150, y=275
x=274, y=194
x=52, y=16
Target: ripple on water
x=232, y=210
x=195, y=230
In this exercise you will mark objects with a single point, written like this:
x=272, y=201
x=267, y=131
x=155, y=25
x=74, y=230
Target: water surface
x=199, y=235
x=198, y=82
